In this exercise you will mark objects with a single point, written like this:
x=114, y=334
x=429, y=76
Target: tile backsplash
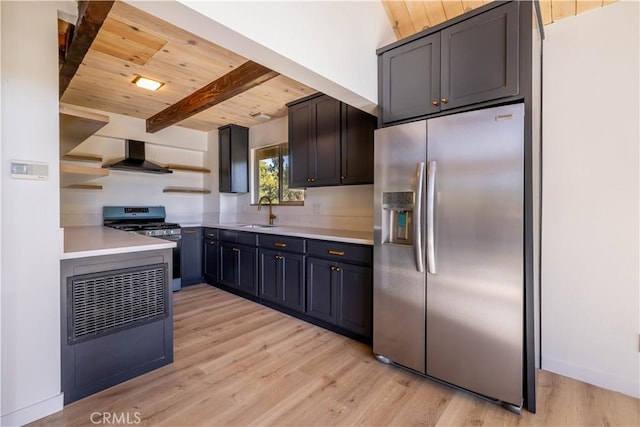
x=343, y=208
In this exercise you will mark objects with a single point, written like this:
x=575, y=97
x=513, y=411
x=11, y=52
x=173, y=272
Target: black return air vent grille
x=103, y=303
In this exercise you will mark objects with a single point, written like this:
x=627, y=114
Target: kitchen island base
x=117, y=319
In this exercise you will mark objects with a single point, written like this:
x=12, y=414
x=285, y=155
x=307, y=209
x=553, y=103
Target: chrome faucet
x=271, y=215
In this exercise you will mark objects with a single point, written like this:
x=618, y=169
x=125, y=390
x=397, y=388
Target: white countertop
x=346, y=236
x=82, y=242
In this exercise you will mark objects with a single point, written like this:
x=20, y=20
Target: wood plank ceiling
x=408, y=17
x=132, y=43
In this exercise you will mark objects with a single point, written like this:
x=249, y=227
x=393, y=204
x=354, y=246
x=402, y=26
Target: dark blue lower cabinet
x=293, y=281
x=341, y=294
x=270, y=271
x=228, y=264
x=247, y=257
x=323, y=282
x=238, y=267
x=97, y=352
x=191, y=256
x=321, y=289
x=211, y=258
x=354, y=289
x=281, y=278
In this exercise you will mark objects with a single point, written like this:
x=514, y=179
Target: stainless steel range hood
x=135, y=161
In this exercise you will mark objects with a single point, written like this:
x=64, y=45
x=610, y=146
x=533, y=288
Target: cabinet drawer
x=362, y=254
x=283, y=243
x=228, y=236
x=238, y=237
x=210, y=233
x=190, y=230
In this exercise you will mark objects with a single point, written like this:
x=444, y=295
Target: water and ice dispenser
x=397, y=217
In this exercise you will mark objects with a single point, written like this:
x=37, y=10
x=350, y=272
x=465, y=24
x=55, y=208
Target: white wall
x=328, y=45
x=1, y=227
x=126, y=127
x=173, y=145
x=590, y=218
x=31, y=238
x=348, y=207
x=211, y=208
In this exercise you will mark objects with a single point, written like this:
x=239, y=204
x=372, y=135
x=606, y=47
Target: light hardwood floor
x=238, y=363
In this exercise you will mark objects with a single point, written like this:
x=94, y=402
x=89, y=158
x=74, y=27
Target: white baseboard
x=33, y=412
x=628, y=386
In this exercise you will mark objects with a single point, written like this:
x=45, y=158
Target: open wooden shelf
x=92, y=158
x=186, y=190
x=77, y=125
x=187, y=168
x=83, y=187
x=74, y=174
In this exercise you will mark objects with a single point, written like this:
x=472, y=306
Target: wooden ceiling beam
x=91, y=15
x=240, y=79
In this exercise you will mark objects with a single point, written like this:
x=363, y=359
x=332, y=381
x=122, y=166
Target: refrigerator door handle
x=418, y=246
x=431, y=193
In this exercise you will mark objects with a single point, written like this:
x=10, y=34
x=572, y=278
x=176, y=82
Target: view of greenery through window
x=272, y=176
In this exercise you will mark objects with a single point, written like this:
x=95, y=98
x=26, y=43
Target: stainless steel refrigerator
x=449, y=250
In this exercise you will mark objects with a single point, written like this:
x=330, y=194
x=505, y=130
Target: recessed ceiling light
x=261, y=116
x=147, y=83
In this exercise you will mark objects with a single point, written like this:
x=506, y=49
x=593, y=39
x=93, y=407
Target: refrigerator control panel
x=399, y=200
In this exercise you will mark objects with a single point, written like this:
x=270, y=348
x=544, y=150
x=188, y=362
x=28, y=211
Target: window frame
x=255, y=184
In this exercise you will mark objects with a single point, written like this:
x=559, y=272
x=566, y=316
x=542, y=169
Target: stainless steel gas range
x=148, y=221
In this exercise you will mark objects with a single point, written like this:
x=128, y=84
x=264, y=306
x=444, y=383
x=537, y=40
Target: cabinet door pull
x=278, y=257
x=338, y=268
x=332, y=252
x=210, y=235
x=280, y=244
x=444, y=100
x=235, y=250
x=435, y=103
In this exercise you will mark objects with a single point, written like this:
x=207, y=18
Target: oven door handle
x=173, y=238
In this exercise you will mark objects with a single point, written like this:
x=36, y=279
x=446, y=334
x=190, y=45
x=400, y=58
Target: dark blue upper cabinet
x=480, y=58
x=233, y=160
x=411, y=79
x=330, y=143
x=471, y=60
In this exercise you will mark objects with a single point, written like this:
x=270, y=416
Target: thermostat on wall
x=29, y=170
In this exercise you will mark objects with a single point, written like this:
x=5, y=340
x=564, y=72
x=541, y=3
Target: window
x=271, y=176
